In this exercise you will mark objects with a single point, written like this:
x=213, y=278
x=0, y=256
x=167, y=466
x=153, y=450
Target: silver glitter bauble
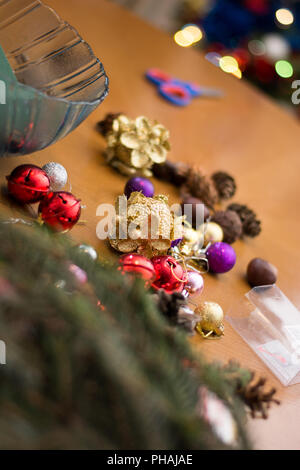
x=57, y=174
x=89, y=250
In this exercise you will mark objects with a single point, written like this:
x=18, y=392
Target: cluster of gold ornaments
x=207, y=233
x=146, y=226
x=133, y=145
x=192, y=248
x=194, y=243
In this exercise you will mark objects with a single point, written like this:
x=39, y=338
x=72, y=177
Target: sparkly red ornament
x=60, y=210
x=138, y=264
x=28, y=184
x=170, y=275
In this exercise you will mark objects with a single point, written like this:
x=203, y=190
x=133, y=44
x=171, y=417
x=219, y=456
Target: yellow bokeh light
x=284, y=16
x=184, y=38
x=195, y=31
x=237, y=73
x=229, y=64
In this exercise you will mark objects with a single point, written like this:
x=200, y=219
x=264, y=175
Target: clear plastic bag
x=270, y=324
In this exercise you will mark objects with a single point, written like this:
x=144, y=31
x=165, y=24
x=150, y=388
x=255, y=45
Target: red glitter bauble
x=28, y=184
x=170, y=275
x=60, y=210
x=137, y=264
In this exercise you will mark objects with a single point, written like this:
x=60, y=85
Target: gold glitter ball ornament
x=191, y=236
x=211, y=320
x=145, y=225
x=211, y=233
x=134, y=145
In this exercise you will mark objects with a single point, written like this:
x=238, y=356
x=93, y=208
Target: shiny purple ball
x=139, y=184
x=221, y=257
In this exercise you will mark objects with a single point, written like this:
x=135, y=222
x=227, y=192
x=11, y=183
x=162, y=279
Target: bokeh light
x=256, y=47
x=213, y=58
x=284, y=16
x=188, y=35
x=284, y=68
x=184, y=38
x=195, y=31
x=229, y=64
x=237, y=73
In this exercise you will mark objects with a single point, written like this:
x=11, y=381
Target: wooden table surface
x=244, y=133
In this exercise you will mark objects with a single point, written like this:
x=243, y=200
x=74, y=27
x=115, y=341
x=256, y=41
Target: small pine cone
x=199, y=185
x=230, y=223
x=256, y=398
x=105, y=126
x=251, y=225
x=225, y=184
x=170, y=304
x=173, y=173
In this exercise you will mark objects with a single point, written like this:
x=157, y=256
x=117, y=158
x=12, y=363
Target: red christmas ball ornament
x=263, y=70
x=60, y=210
x=258, y=7
x=28, y=184
x=137, y=264
x=170, y=275
x=243, y=58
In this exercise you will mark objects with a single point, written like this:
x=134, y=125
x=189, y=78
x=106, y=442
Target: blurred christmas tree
x=257, y=39
x=91, y=363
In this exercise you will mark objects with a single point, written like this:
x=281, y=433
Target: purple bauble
x=139, y=184
x=194, y=283
x=221, y=257
x=176, y=242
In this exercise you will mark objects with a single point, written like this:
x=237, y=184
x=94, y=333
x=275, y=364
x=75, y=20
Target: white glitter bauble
x=276, y=46
x=57, y=174
x=89, y=250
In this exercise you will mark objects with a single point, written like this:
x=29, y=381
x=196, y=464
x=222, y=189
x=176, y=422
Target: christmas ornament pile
x=150, y=233
x=211, y=234
x=172, y=249
x=29, y=184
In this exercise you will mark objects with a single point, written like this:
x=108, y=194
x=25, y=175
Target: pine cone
x=199, y=185
x=225, y=184
x=230, y=223
x=169, y=304
x=173, y=173
x=251, y=225
x=105, y=126
x=256, y=398
x=174, y=308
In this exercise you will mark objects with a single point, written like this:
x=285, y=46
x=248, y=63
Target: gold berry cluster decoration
x=134, y=145
x=147, y=225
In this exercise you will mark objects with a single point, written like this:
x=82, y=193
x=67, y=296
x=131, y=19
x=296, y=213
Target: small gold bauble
x=191, y=236
x=186, y=249
x=212, y=232
x=211, y=319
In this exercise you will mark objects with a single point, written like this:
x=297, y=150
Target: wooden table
x=244, y=133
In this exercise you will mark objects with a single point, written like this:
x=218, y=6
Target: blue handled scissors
x=177, y=91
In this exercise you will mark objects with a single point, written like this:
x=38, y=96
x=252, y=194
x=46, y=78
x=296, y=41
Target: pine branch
x=79, y=376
